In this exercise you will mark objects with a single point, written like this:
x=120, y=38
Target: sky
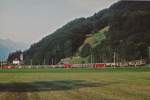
x=28, y=21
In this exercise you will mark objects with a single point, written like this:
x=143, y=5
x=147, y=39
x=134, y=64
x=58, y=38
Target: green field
x=75, y=84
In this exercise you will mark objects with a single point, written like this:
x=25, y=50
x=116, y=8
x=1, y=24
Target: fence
x=93, y=65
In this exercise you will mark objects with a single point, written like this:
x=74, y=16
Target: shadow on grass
x=49, y=86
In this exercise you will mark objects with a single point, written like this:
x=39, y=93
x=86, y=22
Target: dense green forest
x=123, y=28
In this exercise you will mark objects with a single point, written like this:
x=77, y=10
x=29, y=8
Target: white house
x=16, y=62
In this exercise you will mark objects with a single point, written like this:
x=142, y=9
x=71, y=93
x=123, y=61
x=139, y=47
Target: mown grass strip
x=74, y=70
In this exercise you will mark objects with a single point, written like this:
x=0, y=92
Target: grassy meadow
x=75, y=84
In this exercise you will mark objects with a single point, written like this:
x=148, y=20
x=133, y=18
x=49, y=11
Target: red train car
x=67, y=65
x=99, y=65
x=8, y=67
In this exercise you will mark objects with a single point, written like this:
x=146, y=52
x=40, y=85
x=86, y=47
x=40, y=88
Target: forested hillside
x=123, y=28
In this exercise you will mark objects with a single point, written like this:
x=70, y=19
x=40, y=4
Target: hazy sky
x=30, y=20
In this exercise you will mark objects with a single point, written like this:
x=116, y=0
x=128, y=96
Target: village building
x=65, y=61
x=16, y=62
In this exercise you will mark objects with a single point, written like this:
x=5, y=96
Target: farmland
x=75, y=84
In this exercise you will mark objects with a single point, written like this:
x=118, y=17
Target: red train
x=8, y=67
x=99, y=65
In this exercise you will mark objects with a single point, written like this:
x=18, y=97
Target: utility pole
x=44, y=63
x=52, y=61
x=93, y=59
x=114, y=59
x=91, y=56
x=31, y=62
x=1, y=62
x=149, y=56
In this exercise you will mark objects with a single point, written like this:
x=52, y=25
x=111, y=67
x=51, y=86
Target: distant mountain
x=7, y=46
x=123, y=28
